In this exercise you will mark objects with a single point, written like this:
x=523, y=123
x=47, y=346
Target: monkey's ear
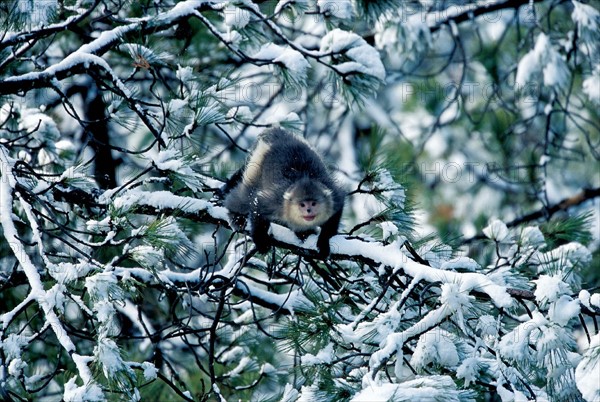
x=287, y=195
x=327, y=191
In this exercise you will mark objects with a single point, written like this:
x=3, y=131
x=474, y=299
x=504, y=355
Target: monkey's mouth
x=309, y=217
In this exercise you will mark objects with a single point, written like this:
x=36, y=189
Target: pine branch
x=547, y=212
x=482, y=10
x=107, y=41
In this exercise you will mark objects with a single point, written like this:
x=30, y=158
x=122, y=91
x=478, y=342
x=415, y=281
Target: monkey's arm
x=328, y=230
x=230, y=184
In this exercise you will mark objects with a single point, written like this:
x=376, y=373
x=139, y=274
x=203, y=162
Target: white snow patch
x=364, y=58
x=293, y=60
x=585, y=16
x=166, y=199
x=150, y=371
x=550, y=288
x=562, y=310
x=90, y=392
x=496, y=230
x=435, y=347
x=587, y=373
x=325, y=355
x=532, y=236
x=591, y=86
x=468, y=370
x=545, y=60
x=430, y=388
x=388, y=228
x=461, y=262
x=16, y=367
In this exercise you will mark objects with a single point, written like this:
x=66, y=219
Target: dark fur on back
x=288, y=161
x=279, y=160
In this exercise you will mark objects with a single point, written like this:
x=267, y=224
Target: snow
x=150, y=371
x=290, y=394
x=563, y=310
x=468, y=370
x=395, y=342
x=34, y=120
x=424, y=389
x=388, y=228
x=532, y=236
x=16, y=367
x=13, y=344
x=66, y=272
x=496, y=231
x=243, y=363
x=55, y=297
x=514, y=345
x=287, y=301
x=595, y=300
x=7, y=184
x=105, y=311
x=292, y=59
x=487, y=326
x=172, y=160
x=391, y=256
x=7, y=317
x=148, y=256
x=364, y=58
x=542, y=60
x=591, y=85
x=283, y=4
x=563, y=258
x=550, y=288
x=462, y=262
x=584, y=298
x=90, y=392
x=82, y=363
x=325, y=355
x=107, y=353
x=527, y=66
x=86, y=55
x=585, y=16
x=375, y=393
x=435, y=347
x=587, y=373
x=166, y=199
x=101, y=285
x=185, y=74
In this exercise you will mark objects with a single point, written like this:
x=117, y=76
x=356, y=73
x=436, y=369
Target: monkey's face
x=306, y=214
x=306, y=208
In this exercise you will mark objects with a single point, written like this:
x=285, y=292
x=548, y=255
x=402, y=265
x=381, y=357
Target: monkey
x=285, y=181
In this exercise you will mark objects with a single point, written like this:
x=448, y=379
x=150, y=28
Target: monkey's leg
x=260, y=233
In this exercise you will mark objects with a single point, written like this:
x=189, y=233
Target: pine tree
x=466, y=134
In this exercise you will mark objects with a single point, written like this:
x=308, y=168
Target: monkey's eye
x=302, y=205
x=313, y=204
